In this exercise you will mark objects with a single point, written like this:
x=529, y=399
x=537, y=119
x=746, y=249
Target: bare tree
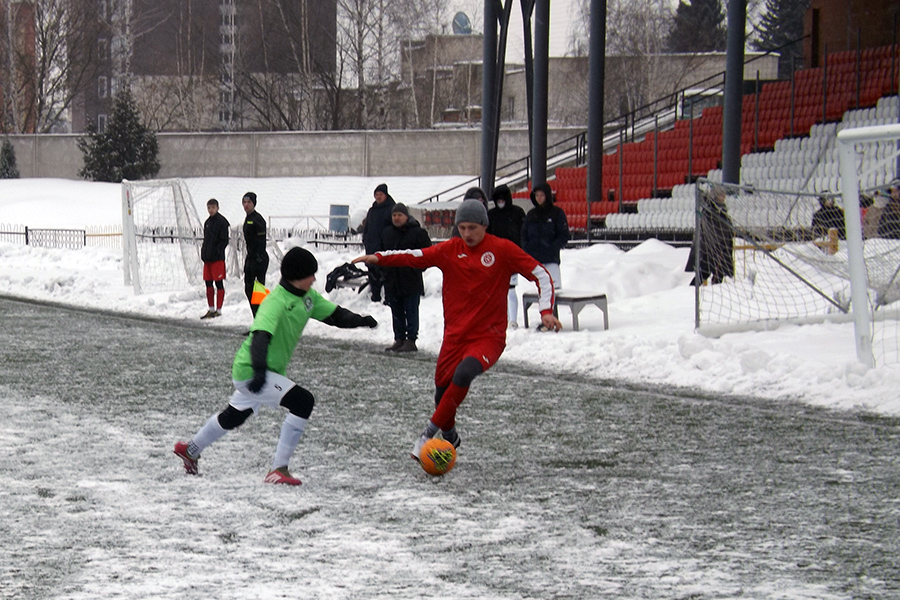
x=275, y=72
x=46, y=75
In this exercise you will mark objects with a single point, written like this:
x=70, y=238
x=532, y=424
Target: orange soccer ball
x=437, y=457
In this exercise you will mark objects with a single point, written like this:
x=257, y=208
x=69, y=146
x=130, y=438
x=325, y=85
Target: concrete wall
x=292, y=154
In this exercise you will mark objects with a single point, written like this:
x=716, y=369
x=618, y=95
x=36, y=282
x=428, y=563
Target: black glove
x=369, y=321
x=257, y=383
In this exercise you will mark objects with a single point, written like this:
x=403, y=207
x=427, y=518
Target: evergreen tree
x=8, y=168
x=126, y=150
x=781, y=24
x=699, y=26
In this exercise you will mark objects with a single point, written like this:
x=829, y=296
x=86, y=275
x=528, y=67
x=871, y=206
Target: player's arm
x=546, y=296
x=259, y=352
x=347, y=319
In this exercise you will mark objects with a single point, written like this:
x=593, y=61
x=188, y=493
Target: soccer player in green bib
x=260, y=364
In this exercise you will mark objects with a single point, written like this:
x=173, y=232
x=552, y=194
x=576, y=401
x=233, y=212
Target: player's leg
x=215, y=427
x=220, y=295
x=299, y=402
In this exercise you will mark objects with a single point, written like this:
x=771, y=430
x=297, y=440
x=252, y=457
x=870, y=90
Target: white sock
x=291, y=432
x=209, y=433
x=512, y=304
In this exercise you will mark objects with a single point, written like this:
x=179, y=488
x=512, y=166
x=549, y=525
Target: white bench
x=574, y=300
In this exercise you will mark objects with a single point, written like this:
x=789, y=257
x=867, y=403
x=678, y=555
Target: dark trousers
x=405, y=316
x=254, y=271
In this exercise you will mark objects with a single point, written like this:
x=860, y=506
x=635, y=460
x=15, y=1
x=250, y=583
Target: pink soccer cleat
x=281, y=475
x=190, y=464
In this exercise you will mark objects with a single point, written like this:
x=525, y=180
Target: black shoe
x=407, y=346
x=456, y=439
x=395, y=347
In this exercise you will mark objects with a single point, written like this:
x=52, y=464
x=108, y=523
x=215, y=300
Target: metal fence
x=109, y=236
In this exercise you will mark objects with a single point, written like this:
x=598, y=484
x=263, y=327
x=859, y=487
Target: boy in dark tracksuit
x=212, y=253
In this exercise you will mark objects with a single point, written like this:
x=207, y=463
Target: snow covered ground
x=650, y=340
x=672, y=481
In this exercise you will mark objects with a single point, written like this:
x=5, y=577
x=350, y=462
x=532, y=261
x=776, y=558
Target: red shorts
x=214, y=271
x=486, y=350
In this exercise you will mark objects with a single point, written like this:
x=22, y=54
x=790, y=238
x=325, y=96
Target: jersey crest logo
x=308, y=304
x=488, y=259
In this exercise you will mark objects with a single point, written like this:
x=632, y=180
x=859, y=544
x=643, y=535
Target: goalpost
x=162, y=235
x=848, y=142
x=764, y=263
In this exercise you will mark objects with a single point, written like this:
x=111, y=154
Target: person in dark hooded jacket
x=546, y=231
x=473, y=193
x=403, y=286
x=378, y=217
x=505, y=221
x=828, y=217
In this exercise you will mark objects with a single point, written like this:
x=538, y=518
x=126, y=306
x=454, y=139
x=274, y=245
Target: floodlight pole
x=489, y=122
x=541, y=75
x=734, y=83
x=596, y=90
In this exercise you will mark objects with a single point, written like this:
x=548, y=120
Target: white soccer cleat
x=417, y=448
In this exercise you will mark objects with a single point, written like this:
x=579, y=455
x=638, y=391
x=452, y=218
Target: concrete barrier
x=293, y=153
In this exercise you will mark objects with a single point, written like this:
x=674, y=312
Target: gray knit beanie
x=472, y=211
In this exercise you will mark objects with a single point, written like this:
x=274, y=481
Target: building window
x=102, y=87
x=103, y=49
x=101, y=123
x=511, y=108
x=103, y=9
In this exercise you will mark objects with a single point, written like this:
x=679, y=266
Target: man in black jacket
x=403, y=286
x=257, y=262
x=546, y=231
x=506, y=221
x=212, y=253
x=378, y=217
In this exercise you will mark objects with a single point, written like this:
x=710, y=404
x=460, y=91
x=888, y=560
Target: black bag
x=348, y=273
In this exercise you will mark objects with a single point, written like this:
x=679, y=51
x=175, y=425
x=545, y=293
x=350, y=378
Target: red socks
x=445, y=414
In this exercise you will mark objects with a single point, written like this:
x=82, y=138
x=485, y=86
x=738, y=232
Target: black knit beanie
x=381, y=187
x=298, y=263
x=251, y=196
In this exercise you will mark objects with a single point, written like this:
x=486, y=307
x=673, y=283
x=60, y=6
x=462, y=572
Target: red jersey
x=476, y=282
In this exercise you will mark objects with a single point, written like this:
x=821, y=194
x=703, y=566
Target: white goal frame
x=183, y=231
x=849, y=168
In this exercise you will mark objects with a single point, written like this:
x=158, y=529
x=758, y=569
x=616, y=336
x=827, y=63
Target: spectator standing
x=476, y=268
x=505, y=221
x=546, y=231
x=716, y=239
x=261, y=362
x=828, y=217
x=889, y=225
x=257, y=262
x=403, y=286
x=377, y=219
x=873, y=215
x=212, y=253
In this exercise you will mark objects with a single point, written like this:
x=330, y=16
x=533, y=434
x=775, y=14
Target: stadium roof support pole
x=597, y=58
x=734, y=83
x=856, y=260
x=489, y=125
x=541, y=75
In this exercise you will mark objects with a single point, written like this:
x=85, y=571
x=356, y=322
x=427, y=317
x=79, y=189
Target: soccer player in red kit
x=476, y=267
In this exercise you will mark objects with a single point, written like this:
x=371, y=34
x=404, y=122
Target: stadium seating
x=787, y=142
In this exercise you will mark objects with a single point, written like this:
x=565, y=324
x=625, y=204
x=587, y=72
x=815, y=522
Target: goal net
x=766, y=257
x=162, y=235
